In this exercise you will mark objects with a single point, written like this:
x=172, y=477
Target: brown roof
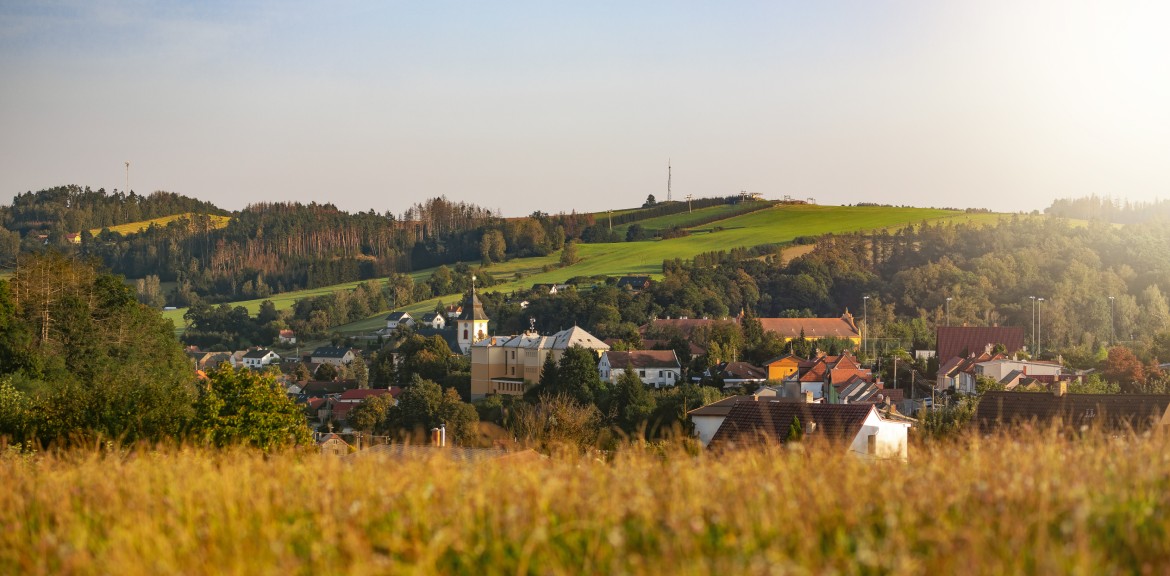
x=812, y=327
x=720, y=408
x=643, y=359
x=740, y=371
x=964, y=341
x=1113, y=411
x=756, y=422
x=362, y=394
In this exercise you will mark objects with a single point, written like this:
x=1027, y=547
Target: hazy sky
x=556, y=106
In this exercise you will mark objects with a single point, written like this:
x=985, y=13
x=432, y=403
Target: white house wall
x=706, y=426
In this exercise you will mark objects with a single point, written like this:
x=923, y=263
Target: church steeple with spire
x=472, y=325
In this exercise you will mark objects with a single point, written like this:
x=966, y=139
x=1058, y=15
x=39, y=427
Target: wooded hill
x=270, y=248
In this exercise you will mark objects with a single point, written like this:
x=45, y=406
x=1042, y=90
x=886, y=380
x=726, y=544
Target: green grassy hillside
x=693, y=218
x=776, y=225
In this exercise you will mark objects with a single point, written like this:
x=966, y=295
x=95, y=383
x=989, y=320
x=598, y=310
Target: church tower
x=472, y=325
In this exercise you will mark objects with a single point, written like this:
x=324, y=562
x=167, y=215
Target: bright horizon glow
x=556, y=107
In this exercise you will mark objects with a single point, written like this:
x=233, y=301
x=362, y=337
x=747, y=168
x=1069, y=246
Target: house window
x=642, y=373
x=465, y=333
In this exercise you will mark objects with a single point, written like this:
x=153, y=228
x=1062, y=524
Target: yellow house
x=782, y=367
x=814, y=328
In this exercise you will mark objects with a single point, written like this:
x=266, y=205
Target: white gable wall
x=890, y=442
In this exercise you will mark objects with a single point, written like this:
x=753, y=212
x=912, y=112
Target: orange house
x=782, y=367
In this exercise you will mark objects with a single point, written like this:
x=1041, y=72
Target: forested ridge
x=269, y=248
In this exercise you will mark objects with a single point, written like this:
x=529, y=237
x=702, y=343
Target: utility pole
x=865, y=325
x=127, y=177
x=1033, y=324
x=1039, y=326
x=1111, y=328
x=689, y=196
x=609, y=213
x=948, y=311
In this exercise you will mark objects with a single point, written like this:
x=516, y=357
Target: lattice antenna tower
x=668, y=180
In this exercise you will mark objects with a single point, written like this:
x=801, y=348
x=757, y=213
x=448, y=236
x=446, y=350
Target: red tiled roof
x=362, y=394
x=964, y=341
x=756, y=422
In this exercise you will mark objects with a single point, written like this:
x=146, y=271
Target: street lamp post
x=1111, y=325
x=948, y=311
x=1032, y=323
x=865, y=325
x=1039, y=326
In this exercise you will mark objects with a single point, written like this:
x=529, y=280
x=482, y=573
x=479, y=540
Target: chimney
x=435, y=438
x=1060, y=388
x=808, y=397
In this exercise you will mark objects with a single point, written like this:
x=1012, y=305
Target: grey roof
x=330, y=352
x=397, y=316
x=473, y=308
x=258, y=353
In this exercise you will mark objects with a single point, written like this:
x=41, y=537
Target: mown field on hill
x=692, y=218
x=777, y=225
x=217, y=221
x=1038, y=503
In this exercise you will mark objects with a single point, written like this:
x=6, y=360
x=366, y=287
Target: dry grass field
x=1036, y=504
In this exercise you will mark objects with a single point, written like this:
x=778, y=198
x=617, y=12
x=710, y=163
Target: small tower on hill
x=472, y=325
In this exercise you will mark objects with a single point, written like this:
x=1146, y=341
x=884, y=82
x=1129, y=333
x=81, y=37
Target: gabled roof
x=330, y=352
x=739, y=371
x=361, y=394
x=397, y=316
x=643, y=359
x=967, y=340
x=635, y=282
x=779, y=359
x=575, y=336
x=1111, y=411
x=258, y=354
x=842, y=327
x=318, y=388
x=758, y=422
x=430, y=317
x=719, y=408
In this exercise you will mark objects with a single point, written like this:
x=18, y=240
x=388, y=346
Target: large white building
x=657, y=368
x=506, y=364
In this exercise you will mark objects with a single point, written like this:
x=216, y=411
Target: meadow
x=217, y=221
x=692, y=218
x=1035, y=504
